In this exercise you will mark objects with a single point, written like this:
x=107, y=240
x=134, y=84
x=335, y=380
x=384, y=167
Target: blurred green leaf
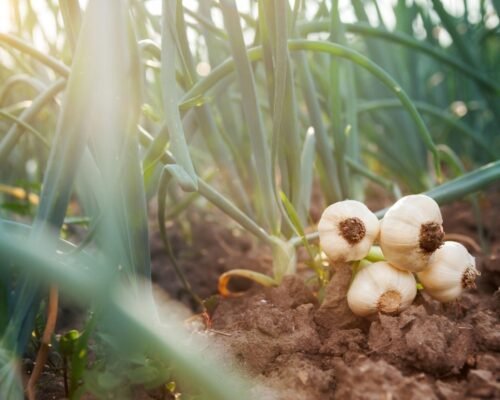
x=172, y=117
x=253, y=117
x=17, y=208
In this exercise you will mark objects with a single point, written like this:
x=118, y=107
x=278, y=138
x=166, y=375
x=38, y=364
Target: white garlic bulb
x=379, y=287
x=451, y=269
x=411, y=230
x=347, y=230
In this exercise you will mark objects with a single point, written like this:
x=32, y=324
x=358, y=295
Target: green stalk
x=286, y=137
x=253, y=116
x=386, y=79
x=10, y=140
x=465, y=49
x=185, y=173
x=161, y=199
x=323, y=145
x=466, y=184
x=254, y=54
x=307, y=175
x=360, y=169
x=20, y=79
x=435, y=112
x=72, y=17
x=24, y=47
x=375, y=254
x=206, y=23
x=229, y=111
x=266, y=36
x=217, y=147
x=212, y=195
x=25, y=126
x=406, y=40
x=285, y=143
x=335, y=100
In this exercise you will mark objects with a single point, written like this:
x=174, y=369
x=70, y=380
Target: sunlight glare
x=5, y=21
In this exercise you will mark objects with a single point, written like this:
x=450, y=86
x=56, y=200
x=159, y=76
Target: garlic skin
x=451, y=269
x=347, y=230
x=411, y=230
x=379, y=287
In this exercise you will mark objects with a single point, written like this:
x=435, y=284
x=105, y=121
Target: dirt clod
x=385, y=382
x=300, y=376
x=334, y=313
x=482, y=384
x=262, y=330
x=416, y=340
x=487, y=330
x=449, y=391
x=291, y=293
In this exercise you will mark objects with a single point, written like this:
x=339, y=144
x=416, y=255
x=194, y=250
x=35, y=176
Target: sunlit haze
x=454, y=7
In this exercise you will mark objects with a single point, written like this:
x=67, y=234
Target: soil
x=296, y=348
x=299, y=349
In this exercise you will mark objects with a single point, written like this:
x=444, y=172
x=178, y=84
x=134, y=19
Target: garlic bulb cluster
x=451, y=269
x=347, y=229
x=411, y=231
x=379, y=287
x=411, y=239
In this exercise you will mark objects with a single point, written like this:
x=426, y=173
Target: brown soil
x=204, y=249
x=303, y=350
x=296, y=348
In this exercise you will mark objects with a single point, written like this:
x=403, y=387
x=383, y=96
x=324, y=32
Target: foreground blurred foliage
x=248, y=105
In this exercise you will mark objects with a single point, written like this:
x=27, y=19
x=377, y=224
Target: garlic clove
x=411, y=230
x=446, y=295
x=347, y=229
x=451, y=269
x=379, y=287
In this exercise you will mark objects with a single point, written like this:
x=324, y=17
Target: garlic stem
x=375, y=254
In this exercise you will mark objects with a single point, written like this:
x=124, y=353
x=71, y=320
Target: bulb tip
x=353, y=230
x=389, y=302
x=431, y=237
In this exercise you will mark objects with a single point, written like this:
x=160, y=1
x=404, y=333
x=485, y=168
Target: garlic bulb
x=451, y=269
x=411, y=231
x=347, y=230
x=379, y=287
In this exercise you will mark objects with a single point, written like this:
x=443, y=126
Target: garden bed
x=295, y=348
x=298, y=349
